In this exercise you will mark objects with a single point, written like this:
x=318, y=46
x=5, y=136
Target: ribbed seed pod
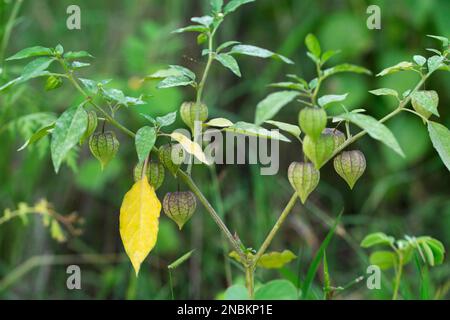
x=91, y=125
x=179, y=206
x=304, y=178
x=350, y=165
x=53, y=82
x=104, y=146
x=338, y=136
x=190, y=111
x=423, y=97
x=320, y=150
x=171, y=156
x=155, y=173
x=312, y=122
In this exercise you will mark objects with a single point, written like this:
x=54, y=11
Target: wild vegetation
x=325, y=131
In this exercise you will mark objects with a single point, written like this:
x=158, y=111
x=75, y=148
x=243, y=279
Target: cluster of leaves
x=140, y=210
x=401, y=251
x=79, y=124
x=50, y=219
x=424, y=104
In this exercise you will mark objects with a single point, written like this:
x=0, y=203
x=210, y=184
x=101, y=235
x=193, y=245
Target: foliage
x=105, y=98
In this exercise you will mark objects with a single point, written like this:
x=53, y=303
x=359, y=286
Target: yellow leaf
x=190, y=146
x=271, y=260
x=276, y=260
x=219, y=122
x=139, y=215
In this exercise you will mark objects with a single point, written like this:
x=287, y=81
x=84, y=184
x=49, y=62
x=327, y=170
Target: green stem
x=250, y=281
x=8, y=29
x=184, y=176
x=399, y=109
x=201, y=85
x=191, y=184
x=319, y=83
x=398, y=276
x=221, y=210
x=275, y=228
x=96, y=106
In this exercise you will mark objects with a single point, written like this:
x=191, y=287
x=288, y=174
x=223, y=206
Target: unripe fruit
x=312, y=121
x=191, y=111
x=104, y=146
x=171, y=156
x=420, y=98
x=179, y=206
x=53, y=82
x=91, y=125
x=304, y=178
x=155, y=173
x=338, y=136
x=320, y=150
x=350, y=165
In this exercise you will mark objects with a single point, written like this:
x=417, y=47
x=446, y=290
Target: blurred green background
x=131, y=39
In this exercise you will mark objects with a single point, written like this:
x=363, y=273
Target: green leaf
x=229, y=62
x=345, y=67
x=180, y=260
x=234, y=4
x=289, y=128
x=288, y=85
x=38, y=135
x=326, y=275
x=377, y=238
x=216, y=5
x=167, y=119
x=375, y=129
x=193, y=28
x=31, y=52
x=78, y=65
x=59, y=49
x=312, y=270
x=226, y=45
x=77, y=55
x=428, y=253
x=164, y=73
x=427, y=100
x=184, y=71
x=384, y=259
x=69, y=128
x=436, y=247
x=272, y=104
x=35, y=68
x=21, y=79
x=384, y=92
x=327, y=55
x=313, y=45
x=444, y=40
x=277, y=290
x=205, y=20
x=440, y=137
x=144, y=140
x=176, y=81
x=325, y=100
x=250, y=129
x=420, y=60
x=236, y=292
x=276, y=260
x=434, y=63
x=258, y=52
x=219, y=122
x=402, y=66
